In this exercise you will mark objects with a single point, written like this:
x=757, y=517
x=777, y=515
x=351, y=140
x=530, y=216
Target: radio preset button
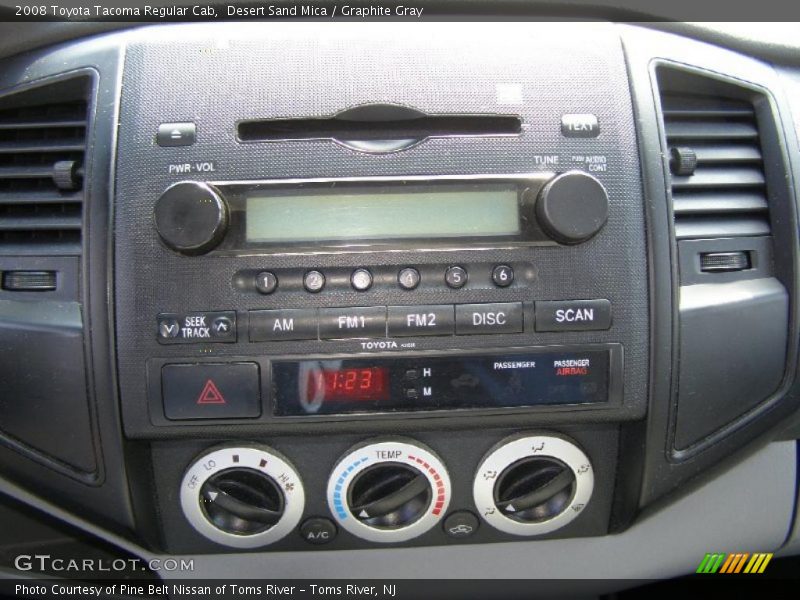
x=280, y=325
x=352, y=322
x=489, y=318
x=503, y=275
x=314, y=281
x=437, y=319
x=266, y=282
x=408, y=278
x=361, y=280
x=573, y=315
x=455, y=277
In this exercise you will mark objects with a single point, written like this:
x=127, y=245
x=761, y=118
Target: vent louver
x=42, y=151
x=716, y=168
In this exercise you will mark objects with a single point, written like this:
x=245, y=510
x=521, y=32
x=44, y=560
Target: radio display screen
x=364, y=385
x=394, y=212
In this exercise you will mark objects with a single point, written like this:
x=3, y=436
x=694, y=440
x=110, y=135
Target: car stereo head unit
x=462, y=211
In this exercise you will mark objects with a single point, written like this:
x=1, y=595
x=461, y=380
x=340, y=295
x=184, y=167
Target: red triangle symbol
x=210, y=394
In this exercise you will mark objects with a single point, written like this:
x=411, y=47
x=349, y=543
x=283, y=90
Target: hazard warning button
x=211, y=391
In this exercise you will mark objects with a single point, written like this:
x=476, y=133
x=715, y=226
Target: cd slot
x=378, y=128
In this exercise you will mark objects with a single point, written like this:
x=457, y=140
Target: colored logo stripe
x=734, y=563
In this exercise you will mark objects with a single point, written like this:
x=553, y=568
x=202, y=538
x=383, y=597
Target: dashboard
x=402, y=300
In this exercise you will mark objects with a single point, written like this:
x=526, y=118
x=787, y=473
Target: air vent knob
x=572, y=207
x=191, y=217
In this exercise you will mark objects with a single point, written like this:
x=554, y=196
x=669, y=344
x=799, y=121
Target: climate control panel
x=393, y=490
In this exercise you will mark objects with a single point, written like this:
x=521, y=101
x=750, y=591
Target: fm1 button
x=353, y=322
x=472, y=319
x=573, y=315
x=460, y=524
x=211, y=391
x=318, y=530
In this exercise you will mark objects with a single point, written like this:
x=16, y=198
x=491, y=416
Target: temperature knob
x=242, y=497
x=533, y=485
x=572, y=207
x=191, y=218
x=389, y=491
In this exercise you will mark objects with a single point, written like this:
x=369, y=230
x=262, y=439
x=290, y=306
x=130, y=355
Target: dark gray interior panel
x=732, y=355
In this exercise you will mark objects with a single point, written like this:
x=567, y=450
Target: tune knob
x=243, y=497
x=191, y=218
x=572, y=207
x=533, y=485
x=389, y=491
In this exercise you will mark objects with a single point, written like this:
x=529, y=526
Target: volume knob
x=572, y=207
x=191, y=218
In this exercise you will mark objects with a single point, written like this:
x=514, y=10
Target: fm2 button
x=421, y=320
x=474, y=319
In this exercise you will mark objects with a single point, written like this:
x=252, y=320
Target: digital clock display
x=345, y=385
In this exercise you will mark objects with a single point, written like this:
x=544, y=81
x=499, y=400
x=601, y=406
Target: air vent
x=42, y=158
x=716, y=168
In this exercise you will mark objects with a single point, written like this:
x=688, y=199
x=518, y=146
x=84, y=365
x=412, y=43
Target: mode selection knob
x=572, y=207
x=242, y=497
x=533, y=485
x=191, y=217
x=389, y=491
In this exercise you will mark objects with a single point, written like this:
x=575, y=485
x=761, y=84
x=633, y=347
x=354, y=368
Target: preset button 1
x=437, y=319
x=504, y=317
x=352, y=322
